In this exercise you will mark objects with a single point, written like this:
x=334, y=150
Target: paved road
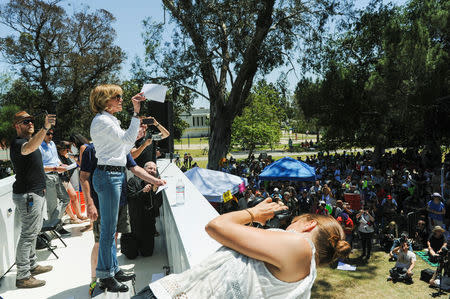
x=243, y=155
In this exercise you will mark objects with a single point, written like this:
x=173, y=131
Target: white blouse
x=229, y=274
x=111, y=142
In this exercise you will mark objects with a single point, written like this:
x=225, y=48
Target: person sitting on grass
x=396, y=243
x=258, y=263
x=436, y=242
x=406, y=260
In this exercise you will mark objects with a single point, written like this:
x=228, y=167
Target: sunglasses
x=27, y=121
x=116, y=97
x=49, y=133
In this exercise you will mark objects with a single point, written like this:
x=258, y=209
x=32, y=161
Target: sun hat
x=438, y=228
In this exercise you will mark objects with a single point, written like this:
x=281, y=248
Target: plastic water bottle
x=180, y=192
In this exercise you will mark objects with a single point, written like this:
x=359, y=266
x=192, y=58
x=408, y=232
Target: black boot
x=112, y=285
x=122, y=276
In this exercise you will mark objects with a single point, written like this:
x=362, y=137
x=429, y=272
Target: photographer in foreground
x=397, y=242
x=406, y=260
x=258, y=263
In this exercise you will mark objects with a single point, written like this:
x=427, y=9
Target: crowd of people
x=386, y=201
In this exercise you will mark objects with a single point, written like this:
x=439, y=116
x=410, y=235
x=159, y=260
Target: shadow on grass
x=330, y=280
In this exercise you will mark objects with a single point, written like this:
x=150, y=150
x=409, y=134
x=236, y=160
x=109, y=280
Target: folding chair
x=51, y=228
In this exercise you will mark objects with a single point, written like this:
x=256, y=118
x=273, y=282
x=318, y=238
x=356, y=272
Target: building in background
x=198, y=120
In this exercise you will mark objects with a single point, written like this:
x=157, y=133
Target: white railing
x=9, y=225
x=184, y=225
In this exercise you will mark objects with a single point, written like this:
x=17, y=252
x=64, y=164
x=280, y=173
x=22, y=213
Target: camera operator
x=366, y=220
x=405, y=264
x=436, y=243
x=144, y=149
x=403, y=238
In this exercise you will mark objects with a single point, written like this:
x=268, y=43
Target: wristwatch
x=135, y=114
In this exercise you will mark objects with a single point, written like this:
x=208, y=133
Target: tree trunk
x=219, y=142
x=378, y=151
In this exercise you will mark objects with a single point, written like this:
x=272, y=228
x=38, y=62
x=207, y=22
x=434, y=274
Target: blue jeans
x=108, y=185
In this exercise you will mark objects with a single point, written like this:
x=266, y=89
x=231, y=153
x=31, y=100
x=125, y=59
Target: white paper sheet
x=154, y=92
x=345, y=267
x=161, y=188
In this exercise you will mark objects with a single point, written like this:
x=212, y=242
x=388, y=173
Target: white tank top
x=229, y=274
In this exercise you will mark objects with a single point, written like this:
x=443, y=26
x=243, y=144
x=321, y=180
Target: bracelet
x=251, y=215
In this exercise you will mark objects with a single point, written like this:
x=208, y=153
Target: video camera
x=281, y=219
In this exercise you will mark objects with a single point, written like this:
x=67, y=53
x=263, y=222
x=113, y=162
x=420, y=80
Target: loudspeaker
x=163, y=113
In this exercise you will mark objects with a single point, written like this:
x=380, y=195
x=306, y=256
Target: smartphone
x=148, y=121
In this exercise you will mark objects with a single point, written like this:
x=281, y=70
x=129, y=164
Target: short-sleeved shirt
x=436, y=207
x=436, y=243
x=29, y=170
x=405, y=259
x=49, y=154
x=89, y=163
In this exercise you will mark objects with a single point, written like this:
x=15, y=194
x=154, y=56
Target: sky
x=128, y=25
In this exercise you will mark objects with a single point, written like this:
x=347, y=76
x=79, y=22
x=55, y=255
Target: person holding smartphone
x=28, y=195
x=366, y=220
x=144, y=148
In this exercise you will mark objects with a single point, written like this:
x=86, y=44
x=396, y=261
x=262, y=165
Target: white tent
x=212, y=184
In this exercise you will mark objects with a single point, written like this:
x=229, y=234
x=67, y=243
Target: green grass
x=196, y=140
x=369, y=280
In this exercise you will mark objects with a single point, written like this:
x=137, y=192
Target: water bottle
x=180, y=192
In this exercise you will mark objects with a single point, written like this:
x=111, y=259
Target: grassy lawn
x=369, y=280
x=196, y=140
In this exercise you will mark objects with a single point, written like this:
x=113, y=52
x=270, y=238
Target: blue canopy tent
x=288, y=169
x=212, y=184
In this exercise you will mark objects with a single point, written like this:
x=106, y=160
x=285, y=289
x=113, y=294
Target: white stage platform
x=183, y=243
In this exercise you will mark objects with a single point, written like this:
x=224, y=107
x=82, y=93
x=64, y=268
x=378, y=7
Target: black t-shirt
x=436, y=243
x=148, y=154
x=29, y=170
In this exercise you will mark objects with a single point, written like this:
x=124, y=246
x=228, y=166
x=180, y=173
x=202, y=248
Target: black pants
x=145, y=293
x=366, y=243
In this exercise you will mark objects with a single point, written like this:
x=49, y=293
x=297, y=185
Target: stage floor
x=70, y=277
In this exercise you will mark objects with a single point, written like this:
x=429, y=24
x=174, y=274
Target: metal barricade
x=412, y=219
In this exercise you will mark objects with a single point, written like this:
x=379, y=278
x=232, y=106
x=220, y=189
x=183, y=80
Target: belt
x=52, y=172
x=111, y=168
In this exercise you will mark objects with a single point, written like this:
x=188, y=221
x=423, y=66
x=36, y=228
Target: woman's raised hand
x=137, y=99
x=266, y=209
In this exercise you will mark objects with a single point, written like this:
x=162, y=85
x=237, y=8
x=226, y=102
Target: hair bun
x=342, y=249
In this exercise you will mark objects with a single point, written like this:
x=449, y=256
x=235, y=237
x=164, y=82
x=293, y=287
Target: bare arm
x=36, y=140
x=396, y=250
x=164, y=132
x=84, y=181
x=141, y=173
x=277, y=248
x=136, y=152
x=411, y=267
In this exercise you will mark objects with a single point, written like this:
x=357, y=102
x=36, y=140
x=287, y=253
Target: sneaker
x=41, y=269
x=62, y=231
x=29, y=282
